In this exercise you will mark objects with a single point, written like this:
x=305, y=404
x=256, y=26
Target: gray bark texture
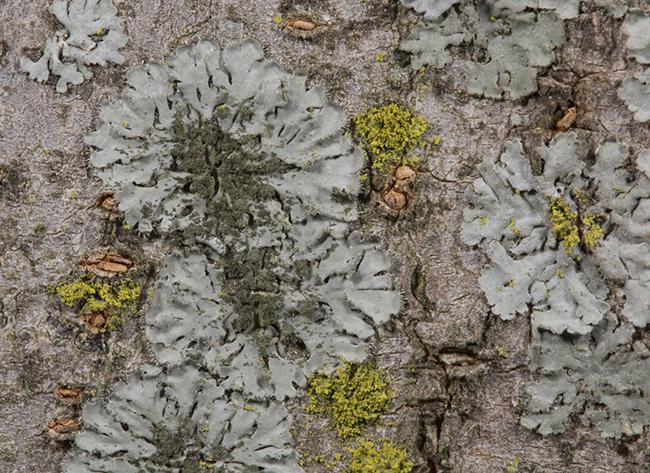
x=459, y=373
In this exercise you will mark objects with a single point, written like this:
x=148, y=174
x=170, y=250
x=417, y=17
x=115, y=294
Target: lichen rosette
x=178, y=420
x=558, y=239
x=253, y=178
x=568, y=240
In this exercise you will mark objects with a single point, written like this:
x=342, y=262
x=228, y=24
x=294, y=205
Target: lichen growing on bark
x=352, y=396
x=600, y=378
x=112, y=300
x=580, y=244
x=180, y=420
x=512, y=42
x=252, y=175
x=562, y=244
x=92, y=35
x=369, y=457
x=635, y=91
x=390, y=134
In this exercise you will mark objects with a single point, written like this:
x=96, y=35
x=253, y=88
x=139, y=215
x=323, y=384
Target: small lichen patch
x=352, y=396
x=563, y=219
x=92, y=34
x=513, y=465
x=389, y=134
x=369, y=457
x=592, y=232
x=110, y=299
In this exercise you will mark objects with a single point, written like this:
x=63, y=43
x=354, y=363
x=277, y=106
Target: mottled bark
x=459, y=373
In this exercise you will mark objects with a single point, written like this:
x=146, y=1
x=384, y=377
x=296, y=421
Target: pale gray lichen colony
x=329, y=283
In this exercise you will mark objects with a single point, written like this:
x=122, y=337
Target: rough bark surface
x=459, y=373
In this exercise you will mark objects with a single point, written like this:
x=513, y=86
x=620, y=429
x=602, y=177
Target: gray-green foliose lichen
x=554, y=239
x=254, y=172
x=431, y=9
x=92, y=34
x=179, y=420
x=563, y=242
x=635, y=91
x=600, y=378
x=511, y=40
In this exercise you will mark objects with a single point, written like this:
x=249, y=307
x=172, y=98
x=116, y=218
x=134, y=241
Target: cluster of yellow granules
x=89, y=295
x=369, y=457
x=567, y=227
x=353, y=395
x=389, y=133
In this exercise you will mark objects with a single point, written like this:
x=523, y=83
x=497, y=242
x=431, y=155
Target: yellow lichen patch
x=353, y=395
x=483, y=220
x=592, y=233
x=513, y=465
x=369, y=457
x=75, y=291
x=513, y=227
x=389, y=133
x=571, y=230
x=114, y=299
x=564, y=222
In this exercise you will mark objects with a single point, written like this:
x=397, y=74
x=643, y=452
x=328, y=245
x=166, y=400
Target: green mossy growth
x=353, y=395
x=389, y=134
x=88, y=294
x=369, y=457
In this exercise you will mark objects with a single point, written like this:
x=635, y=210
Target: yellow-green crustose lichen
x=563, y=219
x=389, y=134
x=513, y=465
x=569, y=229
x=89, y=295
x=369, y=457
x=353, y=395
x=592, y=233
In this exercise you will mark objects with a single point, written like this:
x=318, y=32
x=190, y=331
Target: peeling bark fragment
x=394, y=199
x=106, y=264
x=107, y=202
x=63, y=428
x=567, y=120
x=94, y=322
x=69, y=393
x=299, y=24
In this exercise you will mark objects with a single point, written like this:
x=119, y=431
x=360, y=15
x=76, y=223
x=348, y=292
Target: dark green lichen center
x=183, y=448
x=173, y=448
x=232, y=176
